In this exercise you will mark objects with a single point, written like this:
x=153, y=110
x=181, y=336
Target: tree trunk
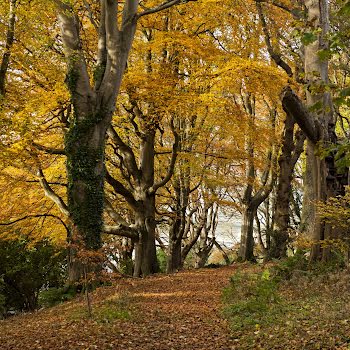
x=140, y=191
x=127, y=249
x=246, y=250
x=196, y=231
x=145, y=213
x=180, y=225
x=174, y=261
x=145, y=249
x=201, y=259
x=252, y=202
x=279, y=236
x=176, y=232
x=10, y=36
x=149, y=258
x=316, y=71
x=224, y=254
x=85, y=143
x=93, y=110
x=290, y=153
x=75, y=267
x=204, y=250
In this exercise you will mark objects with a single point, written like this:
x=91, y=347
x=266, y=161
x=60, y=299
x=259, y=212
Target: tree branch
x=50, y=193
x=101, y=48
x=127, y=154
x=276, y=57
x=113, y=214
x=121, y=189
x=90, y=14
x=161, y=7
x=295, y=108
x=171, y=167
x=161, y=243
x=118, y=44
x=35, y=216
x=77, y=77
x=121, y=230
x=222, y=251
x=49, y=150
x=267, y=181
x=294, y=12
x=10, y=35
x=299, y=140
x=50, y=183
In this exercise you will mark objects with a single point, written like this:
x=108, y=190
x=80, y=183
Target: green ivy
x=81, y=168
x=72, y=78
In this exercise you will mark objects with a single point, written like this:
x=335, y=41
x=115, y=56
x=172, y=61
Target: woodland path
x=168, y=312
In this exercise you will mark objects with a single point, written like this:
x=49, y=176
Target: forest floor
x=179, y=311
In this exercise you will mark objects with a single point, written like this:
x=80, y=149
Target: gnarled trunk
x=182, y=214
x=290, y=153
x=176, y=233
x=93, y=110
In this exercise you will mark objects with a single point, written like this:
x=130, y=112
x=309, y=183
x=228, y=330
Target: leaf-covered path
x=168, y=312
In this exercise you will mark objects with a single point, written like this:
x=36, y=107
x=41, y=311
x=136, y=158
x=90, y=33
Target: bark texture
x=292, y=147
x=317, y=188
x=93, y=110
x=10, y=36
x=251, y=201
x=139, y=191
x=94, y=107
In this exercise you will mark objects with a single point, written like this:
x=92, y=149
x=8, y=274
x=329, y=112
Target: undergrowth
x=252, y=299
x=55, y=296
x=118, y=308
x=290, y=305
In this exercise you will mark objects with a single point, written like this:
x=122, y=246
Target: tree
x=94, y=106
x=318, y=124
x=291, y=148
x=315, y=118
x=10, y=33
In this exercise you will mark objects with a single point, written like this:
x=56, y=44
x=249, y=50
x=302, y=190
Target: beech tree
x=188, y=102
x=292, y=144
x=94, y=106
x=317, y=121
x=314, y=116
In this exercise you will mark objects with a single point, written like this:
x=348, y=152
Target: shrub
x=250, y=299
x=53, y=296
x=126, y=266
x=285, y=269
x=298, y=264
x=162, y=260
x=27, y=269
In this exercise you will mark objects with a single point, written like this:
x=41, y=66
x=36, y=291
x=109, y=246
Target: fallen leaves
x=183, y=312
x=176, y=312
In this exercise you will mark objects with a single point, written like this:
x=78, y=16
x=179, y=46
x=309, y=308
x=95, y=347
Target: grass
x=116, y=308
x=305, y=311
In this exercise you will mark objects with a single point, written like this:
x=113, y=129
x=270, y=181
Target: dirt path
x=169, y=312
